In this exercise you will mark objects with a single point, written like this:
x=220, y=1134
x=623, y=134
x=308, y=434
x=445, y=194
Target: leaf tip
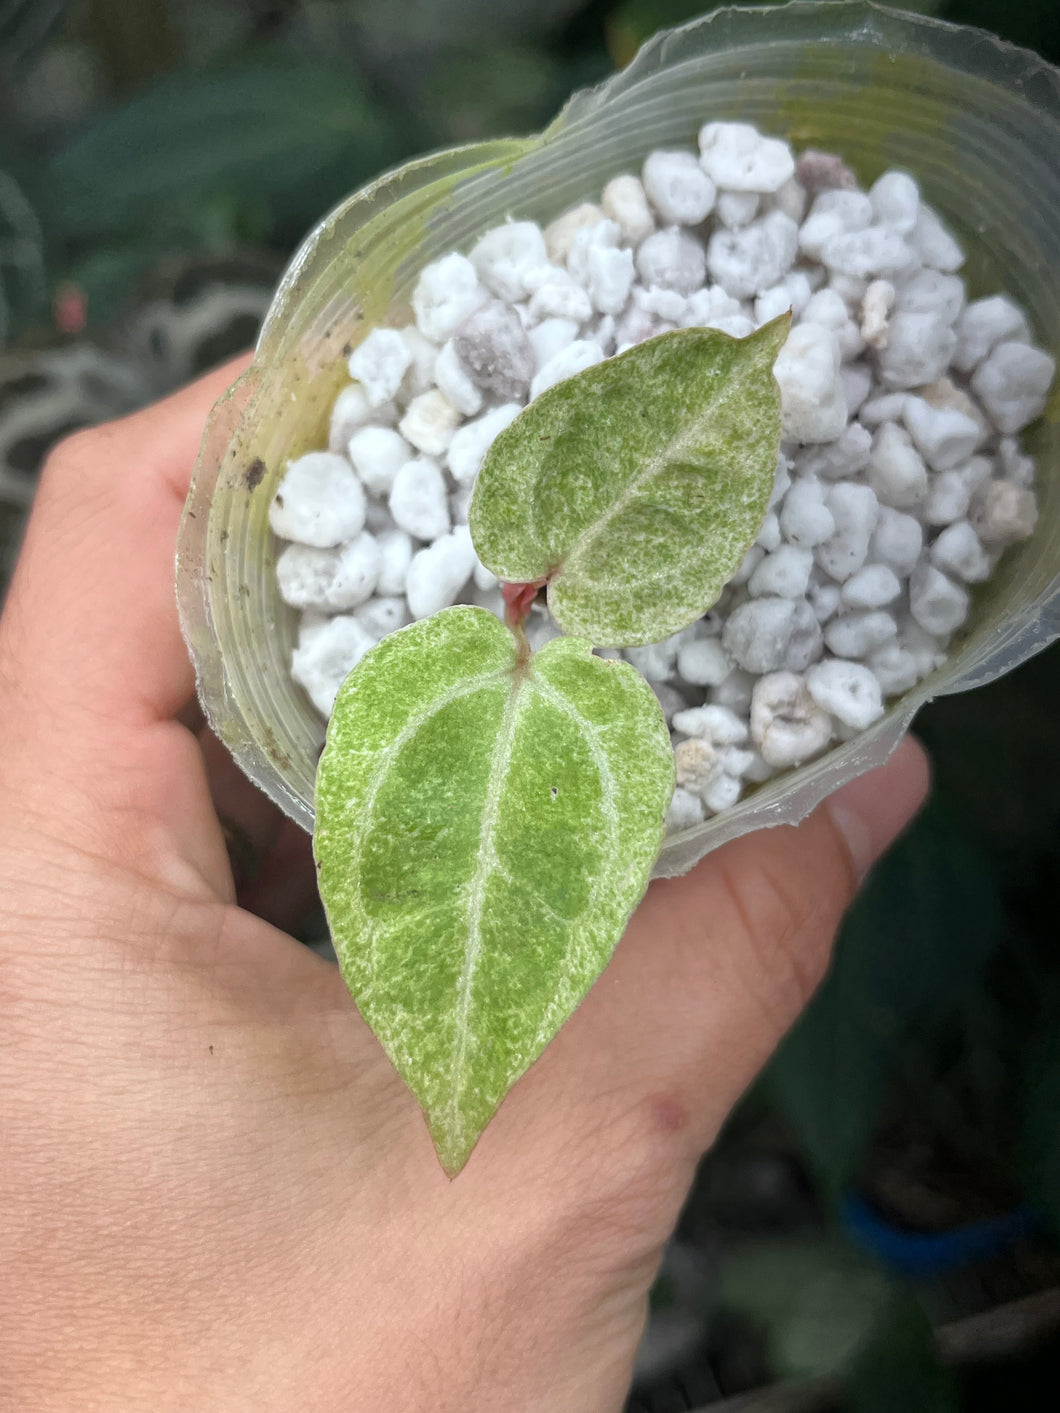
x=453, y=1146
x=774, y=334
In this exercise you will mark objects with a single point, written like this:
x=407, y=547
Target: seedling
x=487, y=817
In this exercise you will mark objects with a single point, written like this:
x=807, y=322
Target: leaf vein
x=379, y=773
x=609, y=808
x=487, y=862
x=674, y=450
x=538, y=898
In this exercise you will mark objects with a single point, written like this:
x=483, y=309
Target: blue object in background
x=920, y=1255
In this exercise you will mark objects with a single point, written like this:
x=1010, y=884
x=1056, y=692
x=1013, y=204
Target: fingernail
x=871, y=811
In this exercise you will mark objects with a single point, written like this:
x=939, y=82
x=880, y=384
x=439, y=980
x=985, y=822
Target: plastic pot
x=975, y=120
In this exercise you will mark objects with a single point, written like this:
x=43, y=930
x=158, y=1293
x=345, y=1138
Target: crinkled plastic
x=977, y=121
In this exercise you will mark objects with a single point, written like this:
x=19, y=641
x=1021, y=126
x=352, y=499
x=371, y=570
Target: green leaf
x=486, y=823
x=636, y=487
x=918, y=936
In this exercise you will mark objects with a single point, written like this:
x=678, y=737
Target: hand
x=214, y=1191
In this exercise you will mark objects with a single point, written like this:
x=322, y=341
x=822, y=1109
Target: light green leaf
x=486, y=823
x=636, y=487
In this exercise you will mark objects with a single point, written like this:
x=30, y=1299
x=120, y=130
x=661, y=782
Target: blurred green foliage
x=23, y=25
x=23, y=280
x=174, y=127
x=896, y=1368
x=918, y=936
x=926, y=1071
x=131, y=133
x=819, y=1301
x=237, y=130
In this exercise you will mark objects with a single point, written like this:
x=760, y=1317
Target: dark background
x=876, y=1229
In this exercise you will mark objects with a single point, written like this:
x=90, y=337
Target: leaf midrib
x=524, y=685
x=487, y=861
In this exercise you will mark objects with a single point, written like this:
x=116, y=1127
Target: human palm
x=215, y=1191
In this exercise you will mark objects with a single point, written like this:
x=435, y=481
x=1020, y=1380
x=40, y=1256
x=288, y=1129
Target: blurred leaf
x=635, y=21
x=261, y=130
x=23, y=282
x=136, y=42
x=484, y=93
x=1040, y=1145
x=918, y=936
x=898, y=1369
x=108, y=275
x=23, y=26
x=458, y=22
x=818, y=1301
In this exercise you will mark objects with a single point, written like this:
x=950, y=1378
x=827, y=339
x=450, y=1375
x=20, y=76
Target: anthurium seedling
x=487, y=817
x=634, y=489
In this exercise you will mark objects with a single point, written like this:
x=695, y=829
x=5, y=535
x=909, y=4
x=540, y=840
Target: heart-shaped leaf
x=636, y=487
x=486, y=823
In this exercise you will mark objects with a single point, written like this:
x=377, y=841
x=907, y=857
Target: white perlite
x=319, y=502
x=900, y=484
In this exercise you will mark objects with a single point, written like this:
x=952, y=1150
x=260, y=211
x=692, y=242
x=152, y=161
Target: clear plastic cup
x=978, y=123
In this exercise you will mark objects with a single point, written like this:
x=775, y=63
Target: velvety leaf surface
x=636, y=487
x=485, y=826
